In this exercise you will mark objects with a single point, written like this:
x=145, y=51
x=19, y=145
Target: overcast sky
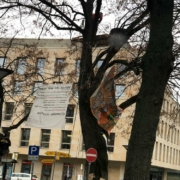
x=27, y=30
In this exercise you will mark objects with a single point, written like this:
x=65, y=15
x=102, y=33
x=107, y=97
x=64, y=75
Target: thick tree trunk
x=92, y=133
x=157, y=66
x=93, y=138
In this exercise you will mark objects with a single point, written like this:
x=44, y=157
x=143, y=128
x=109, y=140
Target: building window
x=75, y=90
x=25, y=134
x=40, y=65
x=46, y=171
x=28, y=107
x=45, y=138
x=120, y=67
x=59, y=68
x=110, y=146
x=99, y=63
x=67, y=171
x=70, y=114
x=66, y=140
x=58, y=82
x=78, y=67
x=21, y=64
x=2, y=62
x=9, y=110
x=36, y=87
x=120, y=88
x=26, y=166
x=18, y=87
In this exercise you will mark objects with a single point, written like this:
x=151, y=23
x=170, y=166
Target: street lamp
x=15, y=157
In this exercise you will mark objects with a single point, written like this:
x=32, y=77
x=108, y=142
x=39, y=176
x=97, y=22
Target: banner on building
x=103, y=103
x=50, y=105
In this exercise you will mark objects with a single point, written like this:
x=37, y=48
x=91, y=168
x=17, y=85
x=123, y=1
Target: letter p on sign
x=33, y=150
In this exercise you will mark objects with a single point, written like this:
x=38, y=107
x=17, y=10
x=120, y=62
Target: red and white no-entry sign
x=91, y=155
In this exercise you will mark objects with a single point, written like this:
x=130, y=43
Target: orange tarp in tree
x=103, y=103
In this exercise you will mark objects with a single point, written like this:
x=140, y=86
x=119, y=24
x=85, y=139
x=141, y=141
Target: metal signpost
x=91, y=156
x=57, y=156
x=54, y=165
x=33, y=155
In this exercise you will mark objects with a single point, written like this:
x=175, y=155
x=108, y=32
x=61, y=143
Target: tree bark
x=92, y=133
x=157, y=65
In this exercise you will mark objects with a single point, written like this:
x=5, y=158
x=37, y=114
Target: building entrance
x=156, y=174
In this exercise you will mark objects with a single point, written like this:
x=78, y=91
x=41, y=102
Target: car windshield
x=34, y=176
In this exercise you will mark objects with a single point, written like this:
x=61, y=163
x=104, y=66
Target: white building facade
x=48, y=55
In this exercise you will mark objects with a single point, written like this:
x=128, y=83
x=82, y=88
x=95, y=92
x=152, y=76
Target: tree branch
x=63, y=16
x=6, y=129
x=132, y=31
x=129, y=32
x=137, y=21
x=122, y=73
x=99, y=57
x=128, y=102
x=118, y=61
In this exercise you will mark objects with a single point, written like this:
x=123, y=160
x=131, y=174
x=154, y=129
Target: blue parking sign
x=33, y=153
x=33, y=150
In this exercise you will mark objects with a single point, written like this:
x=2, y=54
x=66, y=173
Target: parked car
x=34, y=177
x=23, y=176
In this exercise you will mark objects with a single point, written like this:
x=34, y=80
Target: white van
x=23, y=176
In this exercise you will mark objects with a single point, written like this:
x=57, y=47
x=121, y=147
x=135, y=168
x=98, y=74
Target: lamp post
x=15, y=157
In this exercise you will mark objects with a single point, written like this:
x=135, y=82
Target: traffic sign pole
x=54, y=165
x=91, y=156
x=89, y=165
x=32, y=169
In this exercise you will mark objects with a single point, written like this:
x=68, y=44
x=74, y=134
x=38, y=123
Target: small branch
x=64, y=17
x=121, y=73
x=99, y=57
x=116, y=61
x=138, y=20
x=142, y=25
x=104, y=66
x=129, y=102
x=6, y=129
